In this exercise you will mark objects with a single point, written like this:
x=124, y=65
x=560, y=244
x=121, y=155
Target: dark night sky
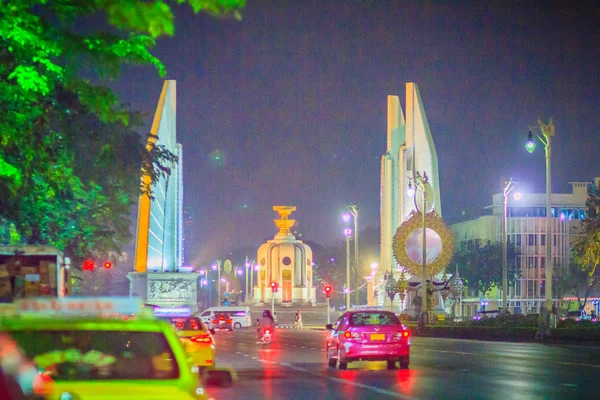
x=294, y=98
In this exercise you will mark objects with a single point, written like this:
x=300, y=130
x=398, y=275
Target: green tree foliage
x=69, y=155
x=583, y=274
x=481, y=267
x=586, y=251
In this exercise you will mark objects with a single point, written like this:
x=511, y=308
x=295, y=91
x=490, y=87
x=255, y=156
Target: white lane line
x=486, y=355
x=313, y=348
x=254, y=358
x=348, y=382
x=246, y=355
x=569, y=384
x=238, y=352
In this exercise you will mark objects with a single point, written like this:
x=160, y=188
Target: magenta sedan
x=368, y=335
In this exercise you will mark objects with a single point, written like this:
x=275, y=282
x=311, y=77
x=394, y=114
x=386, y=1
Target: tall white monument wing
x=158, y=246
x=410, y=148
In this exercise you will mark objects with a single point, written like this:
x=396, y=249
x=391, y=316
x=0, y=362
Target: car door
x=332, y=337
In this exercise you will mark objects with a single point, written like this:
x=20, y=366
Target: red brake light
x=215, y=321
x=228, y=321
x=193, y=323
x=405, y=333
x=180, y=325
x=201, y=339
x=222, y=317
x=347, y=335
x=268, y=331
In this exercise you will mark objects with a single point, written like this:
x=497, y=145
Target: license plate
x=221, y=322
x=377, y=336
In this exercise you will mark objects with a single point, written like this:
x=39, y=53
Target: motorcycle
x=267, y=337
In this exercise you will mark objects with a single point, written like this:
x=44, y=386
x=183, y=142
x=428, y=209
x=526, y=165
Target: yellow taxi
x=83, y=353
x=195, y=337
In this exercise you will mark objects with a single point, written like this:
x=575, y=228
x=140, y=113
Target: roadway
x=294, y=367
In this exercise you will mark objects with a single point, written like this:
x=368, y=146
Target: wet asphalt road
x=294, y=367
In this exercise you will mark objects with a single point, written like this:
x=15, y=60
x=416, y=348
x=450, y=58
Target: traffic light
x=328, y=290
x=274, y=287
x=88, y=265
x=108, y=265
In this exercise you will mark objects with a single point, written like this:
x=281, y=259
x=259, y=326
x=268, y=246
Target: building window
x=517, y=239
x=554, y=239
x=530, y=291
x=543, y=240
x=531, y=240
x=518, y=288
x=530, y=262
x=543, y=262
x=542, y=288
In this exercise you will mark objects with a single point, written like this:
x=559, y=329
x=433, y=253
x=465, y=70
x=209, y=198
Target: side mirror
x=329, y=327
x=219, y=378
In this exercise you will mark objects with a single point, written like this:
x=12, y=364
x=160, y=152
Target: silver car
x=221, y=321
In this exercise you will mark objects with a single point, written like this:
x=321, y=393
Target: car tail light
x=201, y=339
x=221, y=317
x=193, y=323
x=351, y=335
x=180, y=325
x=215, y=321
x=228, y=321
x=401, y=335
x=268, y=331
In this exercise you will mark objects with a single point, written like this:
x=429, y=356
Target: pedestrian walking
x=298, y=320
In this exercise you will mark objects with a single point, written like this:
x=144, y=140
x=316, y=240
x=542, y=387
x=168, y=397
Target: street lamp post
x=217, y=267
x=247, y=269
x=508, y=187
x=421, y=182
x=546, y=138
x=353, y=210
x=348, y=233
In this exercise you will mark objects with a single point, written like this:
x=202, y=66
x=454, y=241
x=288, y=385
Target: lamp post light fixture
x=508, y=188
x=547, y=132
x=353, y=210
x=420, y=183
x=347, y=233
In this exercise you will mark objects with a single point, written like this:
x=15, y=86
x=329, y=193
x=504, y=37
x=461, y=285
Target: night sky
x=293, y=100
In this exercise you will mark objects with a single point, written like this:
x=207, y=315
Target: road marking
x=508, y=356
x=569, y=384
x=246, y=355
x=238, y=352
x=347, y=382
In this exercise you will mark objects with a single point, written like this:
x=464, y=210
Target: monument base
x=300, y=295
x=165, y=289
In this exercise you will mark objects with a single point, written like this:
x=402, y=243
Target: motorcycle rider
x=266, y=321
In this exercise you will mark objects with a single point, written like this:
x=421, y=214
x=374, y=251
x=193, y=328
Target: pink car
x=368, y=335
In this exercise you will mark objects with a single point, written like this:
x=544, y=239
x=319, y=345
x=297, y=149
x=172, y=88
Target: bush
x=501, y=321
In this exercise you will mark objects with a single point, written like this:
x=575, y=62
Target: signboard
x=183, y=312
x=227, y=267
x=79, y=306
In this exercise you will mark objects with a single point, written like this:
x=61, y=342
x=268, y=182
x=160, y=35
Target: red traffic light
x=108, y=265
x=328, y=290
x=88, y=265
x=274, y=286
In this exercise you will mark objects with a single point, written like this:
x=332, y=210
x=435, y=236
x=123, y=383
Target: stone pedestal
x=165, y=289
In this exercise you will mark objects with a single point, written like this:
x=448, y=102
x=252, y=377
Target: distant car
x=220, y=321
x=368, y=335
x=486, y=314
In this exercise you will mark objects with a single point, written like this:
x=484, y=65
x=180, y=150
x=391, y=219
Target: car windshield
x=99, y=355
x=370, y=318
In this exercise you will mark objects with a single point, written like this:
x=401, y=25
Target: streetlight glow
x=411, y=190
x=374, y=265
x=347, y=232
x=517, y=196
x=346, y=217
x=530, y=144
x=214, y=267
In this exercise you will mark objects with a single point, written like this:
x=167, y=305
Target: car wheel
x=237, y=325
x=342, y=364
x=391, y=364
x=404, y=362
x=330, y=361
